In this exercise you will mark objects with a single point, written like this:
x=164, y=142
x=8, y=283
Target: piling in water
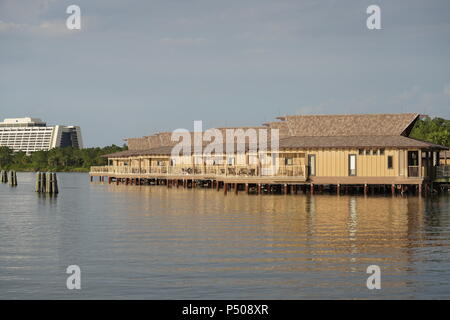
x=13, y=179
x=46, y=182
x=4, y=176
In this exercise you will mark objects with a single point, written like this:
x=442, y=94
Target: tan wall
x=329, y=162
x=334, y=163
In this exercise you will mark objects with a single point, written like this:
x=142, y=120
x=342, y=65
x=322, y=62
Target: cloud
x=55, y=27
x=11, y=26
x=255, y=51
x=24, y=10
x=447, y=89
x=318, y=109
x=183, y=41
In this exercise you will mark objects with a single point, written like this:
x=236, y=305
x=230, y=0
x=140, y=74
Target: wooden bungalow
x=359, y=151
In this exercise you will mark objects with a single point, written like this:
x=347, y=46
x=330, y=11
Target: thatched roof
x=164, y=138
x=357, y=142
x=345, y=125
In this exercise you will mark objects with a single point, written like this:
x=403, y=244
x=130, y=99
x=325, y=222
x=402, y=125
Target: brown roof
x=345, y=125
x=357, y=142
x=164, y=139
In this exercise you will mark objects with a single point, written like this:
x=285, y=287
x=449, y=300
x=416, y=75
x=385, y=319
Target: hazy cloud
x=183, y=41
x=146, y=66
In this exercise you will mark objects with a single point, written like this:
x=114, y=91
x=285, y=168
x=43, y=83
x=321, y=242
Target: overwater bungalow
x=364, y=152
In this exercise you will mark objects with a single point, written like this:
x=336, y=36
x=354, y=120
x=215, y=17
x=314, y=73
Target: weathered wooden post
x=37, y=185
x=4, y=175
x=46, y=182
x=13, y=178
x=42, y=182
x=53, y=183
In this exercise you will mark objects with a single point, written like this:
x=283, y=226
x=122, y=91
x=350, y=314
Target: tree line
x=435, y=130
x=57, y=159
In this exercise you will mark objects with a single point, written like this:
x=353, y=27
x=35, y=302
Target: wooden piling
x=4, y=176
x=12, y=178
x=46, y=182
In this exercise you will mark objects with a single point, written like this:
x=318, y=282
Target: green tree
x=6, y=157
x=436, y=130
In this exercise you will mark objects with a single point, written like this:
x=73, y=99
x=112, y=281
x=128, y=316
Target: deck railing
x=413, y=171
x=443, y=171
x=207, y=170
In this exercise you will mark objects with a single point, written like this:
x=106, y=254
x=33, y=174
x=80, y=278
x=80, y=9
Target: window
x=352, y=164
x=390, y=162
x=361, y=152
x=288, y=161
x=381, y=152
x=367, y=152
x=312, y=164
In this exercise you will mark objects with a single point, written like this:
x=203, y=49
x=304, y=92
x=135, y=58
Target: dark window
x=361, y=152
x=390, y=162
x=288, y=161
x=312, y=165
x=381, y=152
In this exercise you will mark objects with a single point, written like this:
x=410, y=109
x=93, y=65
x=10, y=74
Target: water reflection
x=155, y=242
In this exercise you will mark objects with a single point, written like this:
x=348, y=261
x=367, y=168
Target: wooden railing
x=443, y=171
x=213, y=170
x=413, y=171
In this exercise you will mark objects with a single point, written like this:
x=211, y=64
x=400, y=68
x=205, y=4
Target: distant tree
x=64, y=159
x=6, y=156
x=436, y=130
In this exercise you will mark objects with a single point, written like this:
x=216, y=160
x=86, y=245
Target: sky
x=139, y=67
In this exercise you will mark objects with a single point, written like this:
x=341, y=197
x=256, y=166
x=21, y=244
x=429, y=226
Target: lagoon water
x=148, y=242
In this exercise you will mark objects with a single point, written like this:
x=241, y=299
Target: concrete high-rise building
x=32, y=134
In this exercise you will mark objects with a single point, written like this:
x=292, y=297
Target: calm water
x=156, y=243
